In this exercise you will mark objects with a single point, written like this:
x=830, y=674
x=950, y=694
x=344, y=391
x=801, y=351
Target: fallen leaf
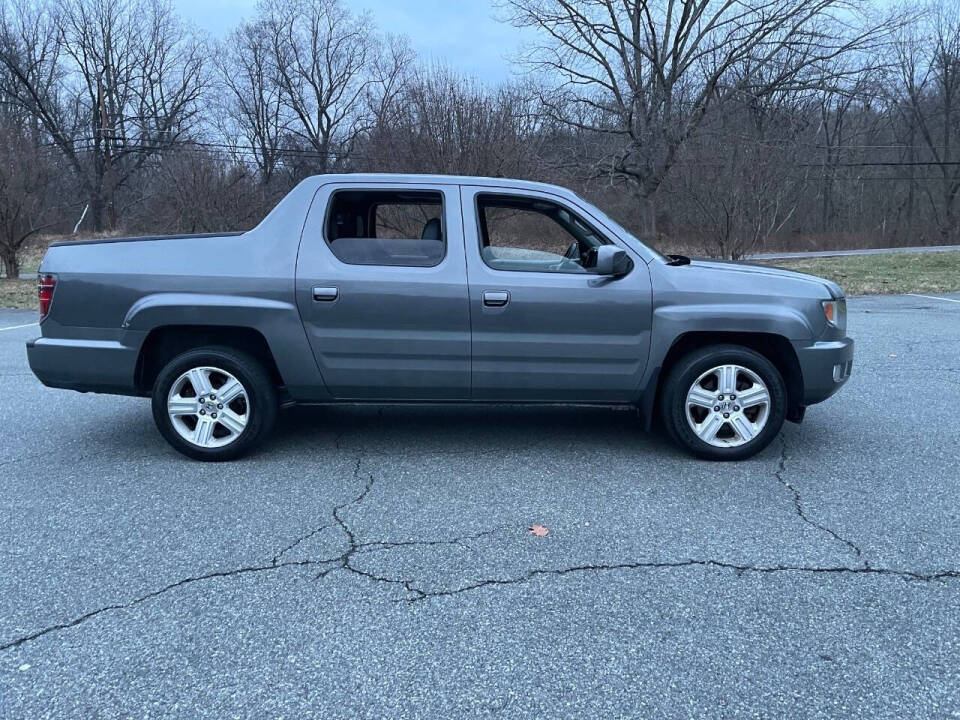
x=539, y=530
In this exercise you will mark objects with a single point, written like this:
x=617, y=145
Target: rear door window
x=386, y=227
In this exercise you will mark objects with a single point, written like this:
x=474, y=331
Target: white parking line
x=934, y=297
x=17, y=327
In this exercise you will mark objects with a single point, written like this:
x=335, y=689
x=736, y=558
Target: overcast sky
x=462, y=33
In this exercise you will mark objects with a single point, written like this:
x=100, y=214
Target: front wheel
x=724, y=402
x=214, y=403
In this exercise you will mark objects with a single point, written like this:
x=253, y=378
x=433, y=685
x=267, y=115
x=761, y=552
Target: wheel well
x=776, y=348
x=164, y=343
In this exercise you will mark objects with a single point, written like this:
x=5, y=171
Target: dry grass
x=935, y=272
x=693, y=245
x=18, y=294
x=30, y=260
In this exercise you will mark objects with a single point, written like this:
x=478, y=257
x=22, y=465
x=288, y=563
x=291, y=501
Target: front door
x=381, y=287
x=544, y=328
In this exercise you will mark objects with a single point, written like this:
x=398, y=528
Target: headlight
x=836, y=313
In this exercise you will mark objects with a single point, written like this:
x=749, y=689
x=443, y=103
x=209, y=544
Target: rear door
x=544, y=328
x=381, y=287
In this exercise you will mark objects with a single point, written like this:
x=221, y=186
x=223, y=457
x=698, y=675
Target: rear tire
x=723, y=402
x=203, y=426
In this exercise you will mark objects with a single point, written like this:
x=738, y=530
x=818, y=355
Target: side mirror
x=608, y=260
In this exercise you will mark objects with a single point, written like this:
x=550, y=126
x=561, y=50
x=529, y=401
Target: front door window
x=529, y=234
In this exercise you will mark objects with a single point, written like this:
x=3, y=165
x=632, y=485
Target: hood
x=728, y=266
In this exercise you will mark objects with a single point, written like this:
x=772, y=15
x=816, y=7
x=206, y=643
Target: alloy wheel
x=727, y=406
x=208, y=407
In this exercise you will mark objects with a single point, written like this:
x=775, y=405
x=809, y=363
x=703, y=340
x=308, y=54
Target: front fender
x=672, y=322
x=789, y=322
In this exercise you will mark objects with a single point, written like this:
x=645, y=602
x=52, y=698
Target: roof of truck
x=414, y=179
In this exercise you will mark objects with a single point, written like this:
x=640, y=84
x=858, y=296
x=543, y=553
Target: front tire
x=724, y=402
x=214, y=403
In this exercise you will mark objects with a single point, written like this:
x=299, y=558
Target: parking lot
x=377, y=562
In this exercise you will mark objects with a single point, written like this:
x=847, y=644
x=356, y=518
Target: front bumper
x=104, y=366
x=826, y=366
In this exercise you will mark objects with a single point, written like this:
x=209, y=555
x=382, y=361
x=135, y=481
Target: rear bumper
x=104, y=366
x=826, y=367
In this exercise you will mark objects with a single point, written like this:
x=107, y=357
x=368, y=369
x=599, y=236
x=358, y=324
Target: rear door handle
x=325, y=294
x=495, y=298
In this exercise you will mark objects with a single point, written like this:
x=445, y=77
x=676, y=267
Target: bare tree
x=927, y=83
x=330, y=65
x=28, y=184
x=644, y=73
x=253, y=107
x=112, y=82
x=198, y=190
x=446, y=123
x=703, y=124
x=737, y=175
x=390, y=77
x=841, y=93
x=743, y=197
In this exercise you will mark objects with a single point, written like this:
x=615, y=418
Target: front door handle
x=325, y=294
x=495, y=298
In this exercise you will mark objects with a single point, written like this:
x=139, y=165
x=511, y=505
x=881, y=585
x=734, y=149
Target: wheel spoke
x=745, y=429
x=728, y=379
x=231, y=421
x=751, y=397
x=229, y=391
x=701, y=398
x=203, y=433
x=200, y=380
x=181, y=406
x=708, y=429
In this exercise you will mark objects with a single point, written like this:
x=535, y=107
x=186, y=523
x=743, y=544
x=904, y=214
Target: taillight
x=46, y=284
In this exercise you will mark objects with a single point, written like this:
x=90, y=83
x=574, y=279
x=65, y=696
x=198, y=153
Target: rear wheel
x=724, y=402
x=214, y=403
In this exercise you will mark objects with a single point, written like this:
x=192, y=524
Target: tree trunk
x=826, y=208
x=11, y=263
x=949, y=232
x=648, y=219
x=96, y=212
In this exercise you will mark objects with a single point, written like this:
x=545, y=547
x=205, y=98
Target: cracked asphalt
x=376, y=562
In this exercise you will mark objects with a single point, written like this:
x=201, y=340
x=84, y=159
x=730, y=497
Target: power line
x=249, y=151
x=89, y=143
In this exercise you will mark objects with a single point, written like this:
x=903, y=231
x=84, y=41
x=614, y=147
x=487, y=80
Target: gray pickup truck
x=406, y=288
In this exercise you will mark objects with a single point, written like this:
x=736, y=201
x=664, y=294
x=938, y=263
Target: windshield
x=620, y=229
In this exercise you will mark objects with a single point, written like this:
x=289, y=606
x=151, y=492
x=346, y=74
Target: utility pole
x=108, y=161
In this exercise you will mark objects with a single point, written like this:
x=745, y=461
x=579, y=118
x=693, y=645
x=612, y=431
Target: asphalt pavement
x=377, y=562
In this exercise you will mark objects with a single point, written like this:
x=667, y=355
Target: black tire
x=689, y=368
x=262, y=394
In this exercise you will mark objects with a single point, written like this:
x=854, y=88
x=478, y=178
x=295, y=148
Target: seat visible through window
x=433, y=230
